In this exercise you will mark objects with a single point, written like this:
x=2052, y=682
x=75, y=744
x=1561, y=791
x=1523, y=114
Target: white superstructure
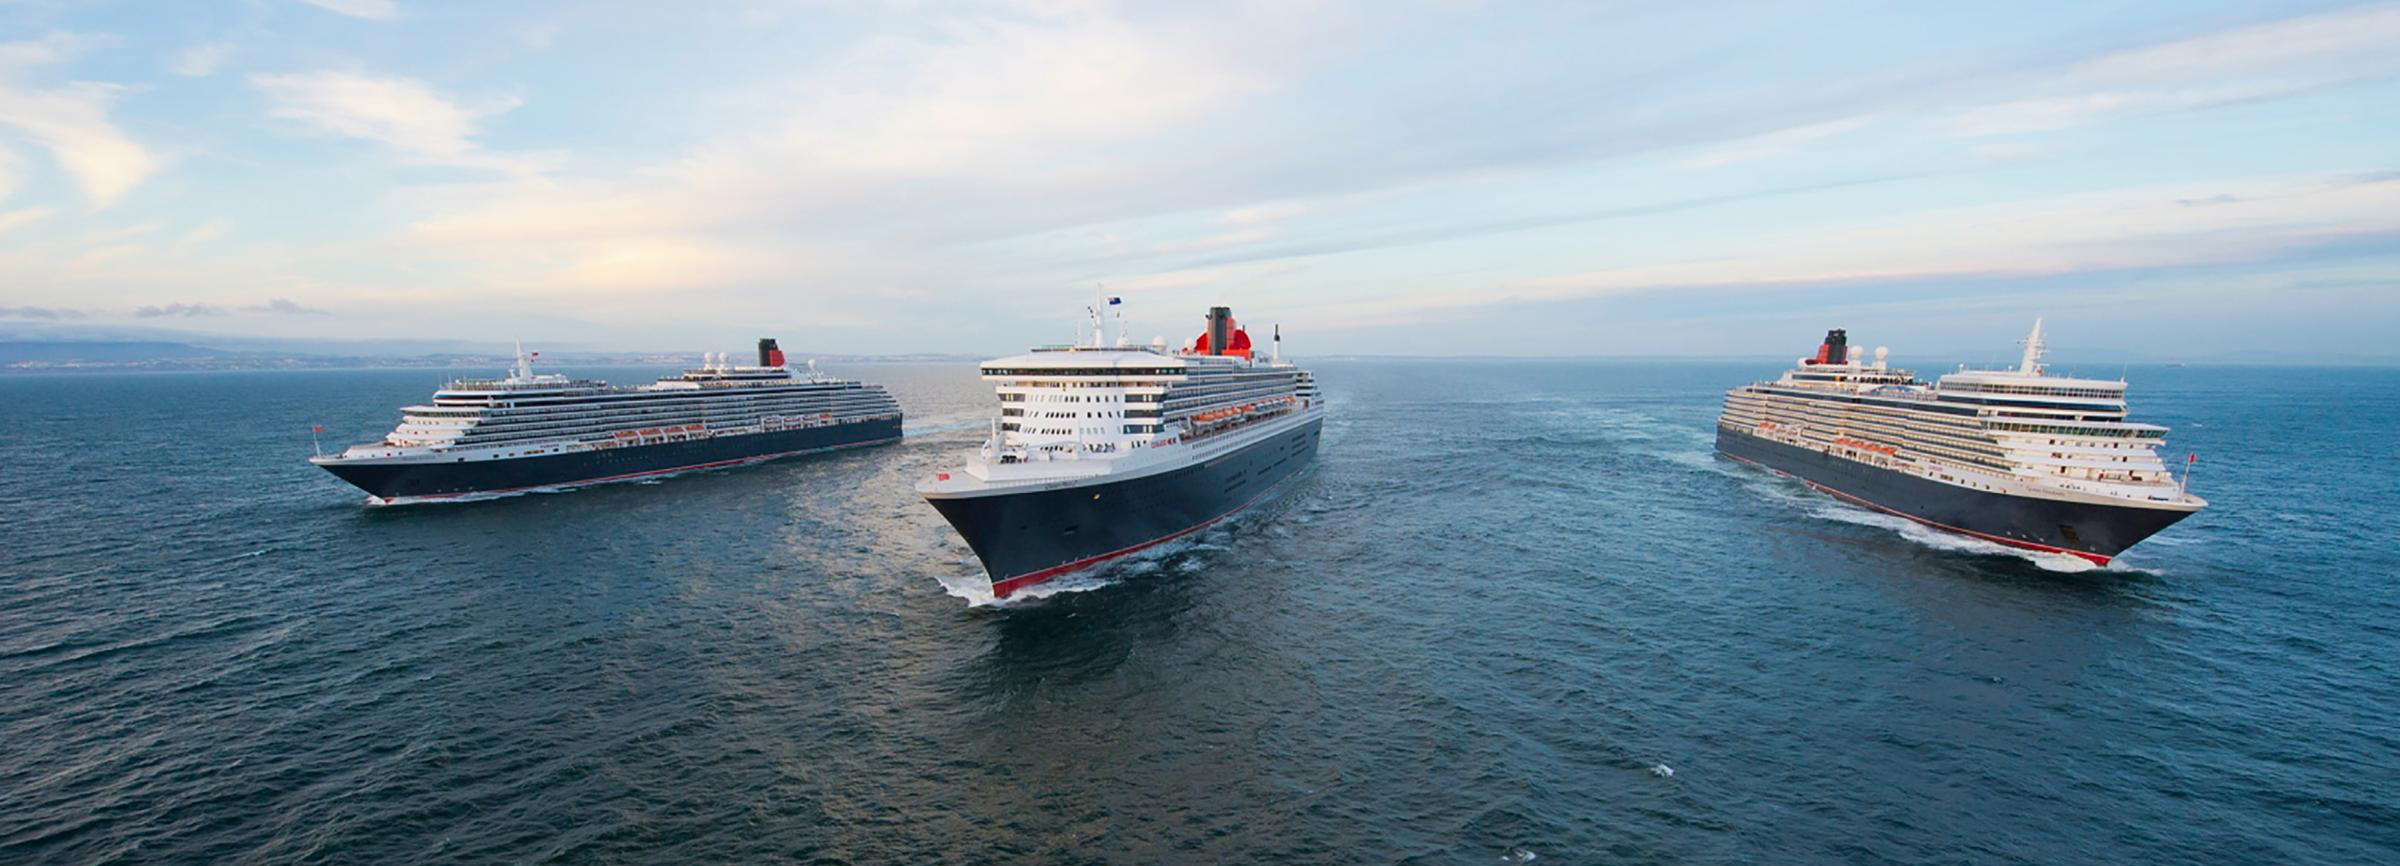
x=2021, y=432
x=1094, y=412
x=528, y=414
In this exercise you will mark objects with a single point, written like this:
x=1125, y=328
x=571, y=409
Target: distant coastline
x=60, y=356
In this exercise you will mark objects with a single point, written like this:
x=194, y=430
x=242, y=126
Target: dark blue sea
x=1510, y=598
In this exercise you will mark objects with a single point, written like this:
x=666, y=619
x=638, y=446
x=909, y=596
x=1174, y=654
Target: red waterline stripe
x=1002, y=588
x=760, y=458
x=2093, y=558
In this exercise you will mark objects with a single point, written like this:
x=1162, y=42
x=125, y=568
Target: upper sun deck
x=2036, y=384
x=513, y=387
x=1086, y=361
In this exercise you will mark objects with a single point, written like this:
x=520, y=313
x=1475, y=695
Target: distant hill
x=103, y=351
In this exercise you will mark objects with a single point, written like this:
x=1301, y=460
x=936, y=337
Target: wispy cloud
x=372, y=10
x=285, y=306
x=45, y=313
x=939, y=136
x=1777, y=143
x=178, y=311
x=71, y=119
x=2243, y=220
x=2325, y=39
x=404, y=114
x=202, y=60
x=2260, y=61
x=10, y=219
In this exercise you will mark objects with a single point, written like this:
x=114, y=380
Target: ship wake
x=1176, y=557
x=1950, y=541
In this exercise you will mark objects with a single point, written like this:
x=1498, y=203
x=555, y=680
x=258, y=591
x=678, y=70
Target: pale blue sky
x=1403, y=177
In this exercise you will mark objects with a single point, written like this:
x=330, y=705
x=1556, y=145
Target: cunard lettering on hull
x=2019, y=457
x=536, y=431
x=1100, y=450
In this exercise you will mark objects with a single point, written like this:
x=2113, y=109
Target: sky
x=2161, y=179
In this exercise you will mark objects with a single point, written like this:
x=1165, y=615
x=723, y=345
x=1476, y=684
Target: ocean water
x=1518, y=612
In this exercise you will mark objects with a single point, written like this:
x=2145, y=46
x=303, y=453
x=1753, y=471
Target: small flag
x=533, y=354
x=316, y=428
x=1114, y=300
x=2189, y=459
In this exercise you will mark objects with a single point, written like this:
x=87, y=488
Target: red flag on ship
x=316, y=428
x=2191, y=458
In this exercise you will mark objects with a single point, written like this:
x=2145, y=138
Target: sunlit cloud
x=372, y=10
x=407, y=115
x=202, y=60
x=70, y=119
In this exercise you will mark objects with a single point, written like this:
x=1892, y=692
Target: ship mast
x=2031, y=365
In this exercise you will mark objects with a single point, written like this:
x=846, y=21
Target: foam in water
x=976, y=588
x=1950, y=541
x=1819, y=505
x=1704, y=460
x=489, y=495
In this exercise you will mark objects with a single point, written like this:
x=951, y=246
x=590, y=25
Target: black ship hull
x=1028, y=537
x=2094, y=532
x=397, y=483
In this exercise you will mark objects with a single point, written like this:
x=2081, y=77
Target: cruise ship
x=531, y=431
x=2019, y=457
x=1100, y=451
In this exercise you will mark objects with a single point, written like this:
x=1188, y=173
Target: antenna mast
x=2032, y=363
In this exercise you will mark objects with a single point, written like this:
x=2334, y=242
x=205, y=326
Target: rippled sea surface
x=1510, y=599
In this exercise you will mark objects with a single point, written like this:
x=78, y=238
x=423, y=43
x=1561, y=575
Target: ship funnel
x=768, y=354
x=1835, y=349
x=1220, y=329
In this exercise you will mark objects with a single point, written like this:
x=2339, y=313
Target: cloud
x=372, y=10
x=2047, y=113
x=1271, y=212
x=2336, y=37
x=202, y=60
x=71, y=120
x=2244, y=219
x=47, y=313
x=179, y=310
x=1775, y=143
x=2261, y=61
x=10, y=219
x=900, y=143
x=283, y=305
x=404, y=114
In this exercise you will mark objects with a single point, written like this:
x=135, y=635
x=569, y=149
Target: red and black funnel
x=1835, y=349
